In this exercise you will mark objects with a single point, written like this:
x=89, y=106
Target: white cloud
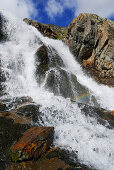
x=53, y=8
x=103, y=8
x=20, y=8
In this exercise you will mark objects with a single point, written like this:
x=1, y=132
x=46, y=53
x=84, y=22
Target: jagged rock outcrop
x=91, y=40
x=49, y=30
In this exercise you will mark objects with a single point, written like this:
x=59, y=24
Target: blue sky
x=58, y=12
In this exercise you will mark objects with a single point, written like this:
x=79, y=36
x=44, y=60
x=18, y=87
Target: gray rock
x=91, y=40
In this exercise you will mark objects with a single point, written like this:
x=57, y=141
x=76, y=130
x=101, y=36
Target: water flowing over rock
x=35, y=142
x=91, y=40
x=2, y=36
x=51, y=70
x=51, y=31
x=45, y=86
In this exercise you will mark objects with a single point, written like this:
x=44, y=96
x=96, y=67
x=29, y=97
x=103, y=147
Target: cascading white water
x=73, y=130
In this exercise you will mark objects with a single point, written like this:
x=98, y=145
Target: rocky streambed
x=24, y=145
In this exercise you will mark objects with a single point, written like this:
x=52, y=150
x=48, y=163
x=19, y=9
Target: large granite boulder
x=91, y=40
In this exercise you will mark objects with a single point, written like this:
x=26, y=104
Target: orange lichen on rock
x=33, y=144
x=112, y=112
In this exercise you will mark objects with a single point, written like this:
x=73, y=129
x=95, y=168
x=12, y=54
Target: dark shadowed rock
x=9, y=133
x=41, y=62
x=46, y=164
x=3, y=33
x=13, y=103
x=34, y=142
x=54, y=159
x=101, y=115
x=91, y=40
x=3, y=106
x=1, y=26
x=29, y=110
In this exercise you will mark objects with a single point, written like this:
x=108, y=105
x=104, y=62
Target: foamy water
x=73, y=130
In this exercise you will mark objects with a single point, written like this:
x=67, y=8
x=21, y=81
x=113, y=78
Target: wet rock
x=70, y=158
x=46, y=58
x=101, y=115
x=48, y=164
x=1, y=28
x=41, y=62
x=2, y=80
x=3, y=106
x=17, y=102
x=29, y=110
x=91, y=40
x=54, y=159
x=33, y=144
x=16, y=118
x=9, y=133
x=3, y=33
x=60, y=82
x=50, y=68
x=51, y=31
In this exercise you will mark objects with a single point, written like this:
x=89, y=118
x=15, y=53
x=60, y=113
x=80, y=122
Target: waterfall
x=74, y=131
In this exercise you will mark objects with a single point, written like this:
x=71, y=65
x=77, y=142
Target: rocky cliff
x=91, y=40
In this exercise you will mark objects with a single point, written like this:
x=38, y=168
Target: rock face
x=51, y=70
x=35, y=142
x=91, y=40
x=51, y=31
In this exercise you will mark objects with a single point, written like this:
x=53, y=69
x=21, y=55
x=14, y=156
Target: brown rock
x=2, y=106
x=91, y=40
x=34, y=142
x=51, y=164
x=54, y=159
x=16, y=118
x=9, y=133
x=112, y=112
x=49, y=30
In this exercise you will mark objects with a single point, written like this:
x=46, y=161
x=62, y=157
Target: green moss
x=18, y=156
x=15, y=156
